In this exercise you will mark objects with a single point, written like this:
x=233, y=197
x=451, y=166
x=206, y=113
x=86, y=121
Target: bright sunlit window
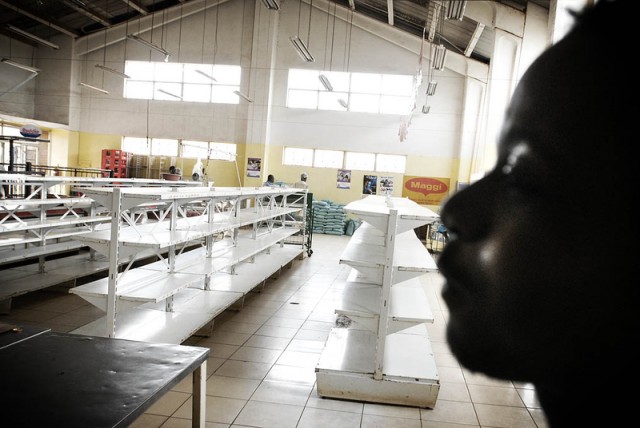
x=391, y=163
x=297, y=156
x=355, y=92
x=360, y=161
x=202, y=83
x=328, y=158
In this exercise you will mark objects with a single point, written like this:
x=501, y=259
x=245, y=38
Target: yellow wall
x=90, y=148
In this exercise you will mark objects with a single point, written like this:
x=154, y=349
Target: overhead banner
x=425, y=190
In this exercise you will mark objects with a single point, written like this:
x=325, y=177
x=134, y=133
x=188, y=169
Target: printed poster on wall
x=254, y=165
x=425, y=190
x=344, y=179
x=386, y=185
x=369, y=184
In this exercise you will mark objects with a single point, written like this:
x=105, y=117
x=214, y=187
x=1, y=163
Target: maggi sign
x=425, y=190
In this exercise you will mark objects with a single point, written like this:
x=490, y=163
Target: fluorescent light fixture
x=352, y=4
x=343, y=103
x=455, y=9
x=20, y=65
x=206, y=75
x=170, y=94
x=94, y=88
x=438, y=56
x=426, y=109
x=33, y=37
x=431, y=88
x=111, y=70
x=325, y=82
x=150, y=45
x=243, y=96
x=271, y=4
x=302, y=49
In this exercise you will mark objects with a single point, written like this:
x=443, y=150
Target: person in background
x=172, y=169
x=271, y=181
x=536, y=292
x=302, y=183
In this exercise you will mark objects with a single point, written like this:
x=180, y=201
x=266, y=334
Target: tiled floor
x=261, y=365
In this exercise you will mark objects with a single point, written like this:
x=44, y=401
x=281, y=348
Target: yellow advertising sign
x=425, y=190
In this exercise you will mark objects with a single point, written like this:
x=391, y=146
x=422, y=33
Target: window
x=361, y=161
x=137, y=146
x=164, y=147
x=195, y=149
x=328, y=159
x=391, y=163
x=222, y=151
x=296, y=156
x=356, y=92
x=203, y=83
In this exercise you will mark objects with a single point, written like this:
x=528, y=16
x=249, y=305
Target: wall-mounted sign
x=30, y=131
x=425, y=190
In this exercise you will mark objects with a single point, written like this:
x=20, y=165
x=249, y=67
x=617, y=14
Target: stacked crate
x=117, y=161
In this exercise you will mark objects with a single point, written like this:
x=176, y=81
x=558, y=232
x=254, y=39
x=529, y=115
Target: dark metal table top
x=60, y=379
x=11, y=334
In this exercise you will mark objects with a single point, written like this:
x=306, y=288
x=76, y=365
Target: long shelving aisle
x=383, y=353
x=239, y=235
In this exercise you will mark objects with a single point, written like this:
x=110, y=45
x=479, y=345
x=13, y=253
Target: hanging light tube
x=170, y=94
x=302, y=49
x=206, y=75
x=111, y=70
x=32, y=37
x=325, y=82
x=431, y=88
x=343, y=103
x=243, y=96
x=20, y=65
x=426, y=109
x=455, y=9
x=271, y=4
x=94, y=88
x=150, y=45
x=438, y=56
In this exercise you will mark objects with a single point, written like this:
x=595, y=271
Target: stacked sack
x=328, y=217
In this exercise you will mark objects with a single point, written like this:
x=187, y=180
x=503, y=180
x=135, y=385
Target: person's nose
x=466, y=214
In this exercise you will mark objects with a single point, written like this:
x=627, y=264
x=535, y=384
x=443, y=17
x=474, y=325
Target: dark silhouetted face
x=538, y=265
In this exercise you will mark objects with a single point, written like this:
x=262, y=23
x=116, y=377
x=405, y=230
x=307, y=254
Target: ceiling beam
x=87, y=13
x=474, y=39
x=137, y=6
x=390, y=11
x=56, y=26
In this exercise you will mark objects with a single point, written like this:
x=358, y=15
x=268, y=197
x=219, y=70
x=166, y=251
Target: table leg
x=199, y=410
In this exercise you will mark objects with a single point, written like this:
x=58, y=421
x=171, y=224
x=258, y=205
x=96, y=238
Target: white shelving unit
x=43, y=222
x=383, y=354
x=239, y=236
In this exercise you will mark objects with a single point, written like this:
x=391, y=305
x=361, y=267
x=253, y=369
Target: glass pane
x=138, y=90
x=361, y=161
x=137, y=146
x=364, y=103
x=396, y=84
x=200, y=93
x=367, y=83
x=339, y=80
x=194, y=149
x=197, y=73
x=297, y=156
x=328, y=159
x=164, y=147
x=172, y=91
x=139, y=70
x=303, y=79
x=168, y=72
x=395, y=104
x=391, y=163
x=302, y=99
x=329, y=100
x=222, y=151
